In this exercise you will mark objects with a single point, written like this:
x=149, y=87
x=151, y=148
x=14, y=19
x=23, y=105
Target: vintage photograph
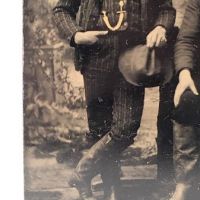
x=111, y=99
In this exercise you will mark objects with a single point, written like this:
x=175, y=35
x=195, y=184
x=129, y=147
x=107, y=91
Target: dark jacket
x=187, y=51
x=153, y=13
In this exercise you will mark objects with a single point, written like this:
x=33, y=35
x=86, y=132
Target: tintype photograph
x=111, y=99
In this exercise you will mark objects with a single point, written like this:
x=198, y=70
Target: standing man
x=114, y=107
x=187, y=102
x=166, y=106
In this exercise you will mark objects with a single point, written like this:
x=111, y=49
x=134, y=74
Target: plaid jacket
x=152, y=13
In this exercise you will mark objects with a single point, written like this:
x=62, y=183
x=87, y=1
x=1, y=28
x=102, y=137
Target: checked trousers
x=115, y=106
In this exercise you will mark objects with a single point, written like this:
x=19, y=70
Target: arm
x=65, y=18
x=186, y=49
x=164, y=23
x=187, y=42
x=180, y=6
x=166, y=16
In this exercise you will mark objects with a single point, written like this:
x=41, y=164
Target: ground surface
x=48, y=168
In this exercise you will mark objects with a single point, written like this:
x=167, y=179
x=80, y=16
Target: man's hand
x=88, y=37
x=185, y=82
x=157, y=37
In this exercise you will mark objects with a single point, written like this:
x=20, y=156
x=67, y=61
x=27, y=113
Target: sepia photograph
x=111, y=103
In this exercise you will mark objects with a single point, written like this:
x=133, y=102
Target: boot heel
x=74, y=180
x=83, y=188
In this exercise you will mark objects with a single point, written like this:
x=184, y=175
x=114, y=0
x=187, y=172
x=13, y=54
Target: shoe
x=91, y=163
x=82, y=186
x=110, y=175
x=113, y=194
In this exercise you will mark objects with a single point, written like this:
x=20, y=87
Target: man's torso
x=139, y=12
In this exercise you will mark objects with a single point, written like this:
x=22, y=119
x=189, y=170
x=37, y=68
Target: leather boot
x=83, y=186
x=110, y=175
x=165, y=168
x=186, y=153
x=164, y=141
x=91, y=162
x=186, y=160
x=113, y=193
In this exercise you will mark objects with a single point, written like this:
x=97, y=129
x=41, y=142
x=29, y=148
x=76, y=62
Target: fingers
x=178, y=93
x=180, y=89
x=151, y=39
x=99, y=33
x=102, y=33
x=88, y=37
x=158, y=41
x=156, y=37
x=88, y=40
x=93, y=39
x=161, y=40
x=193, y=88
x=93, y=36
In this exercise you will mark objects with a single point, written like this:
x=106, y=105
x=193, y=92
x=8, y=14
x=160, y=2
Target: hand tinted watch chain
x=122, y=15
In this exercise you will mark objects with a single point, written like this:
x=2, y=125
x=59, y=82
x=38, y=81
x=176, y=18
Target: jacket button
x=125, y=24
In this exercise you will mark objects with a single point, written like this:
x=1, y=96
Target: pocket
x=92, y=49
x=83, y=54
x=96, y=48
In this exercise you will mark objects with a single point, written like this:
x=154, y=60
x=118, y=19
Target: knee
x=125, y=132
x=99, y=114
x=99, y=104
x=188, y=110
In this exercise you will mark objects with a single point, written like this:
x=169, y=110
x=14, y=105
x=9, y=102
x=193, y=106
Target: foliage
x=51, y=99
x=53, y=92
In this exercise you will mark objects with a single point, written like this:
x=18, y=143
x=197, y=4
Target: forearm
x=184, y=55
x=187, y=42
x=180, y=6
x=64, y=15
x=167, y=14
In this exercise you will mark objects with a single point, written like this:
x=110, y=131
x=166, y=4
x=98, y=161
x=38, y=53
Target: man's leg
x=99, y=82
x=99, y=101
x=165, y=133
x=127, y=111
x=186, y=161
x=98, y=86
x=186, y=145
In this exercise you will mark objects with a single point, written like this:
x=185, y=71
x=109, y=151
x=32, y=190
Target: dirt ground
x=47, y=171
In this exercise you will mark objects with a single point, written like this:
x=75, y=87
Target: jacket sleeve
x=167, y=14
x=187, y=42
x=64, y=15
x=180, y=6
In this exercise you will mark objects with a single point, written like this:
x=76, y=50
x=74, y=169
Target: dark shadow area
x=72, y=151
x=42, y=195
x=140, y=189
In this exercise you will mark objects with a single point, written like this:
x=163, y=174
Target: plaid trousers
x=115, y=105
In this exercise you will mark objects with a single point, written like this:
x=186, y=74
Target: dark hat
x=142, y=66
x=188, y=110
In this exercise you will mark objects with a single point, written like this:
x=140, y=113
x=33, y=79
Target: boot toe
x=74, y=180
x=82, y=186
